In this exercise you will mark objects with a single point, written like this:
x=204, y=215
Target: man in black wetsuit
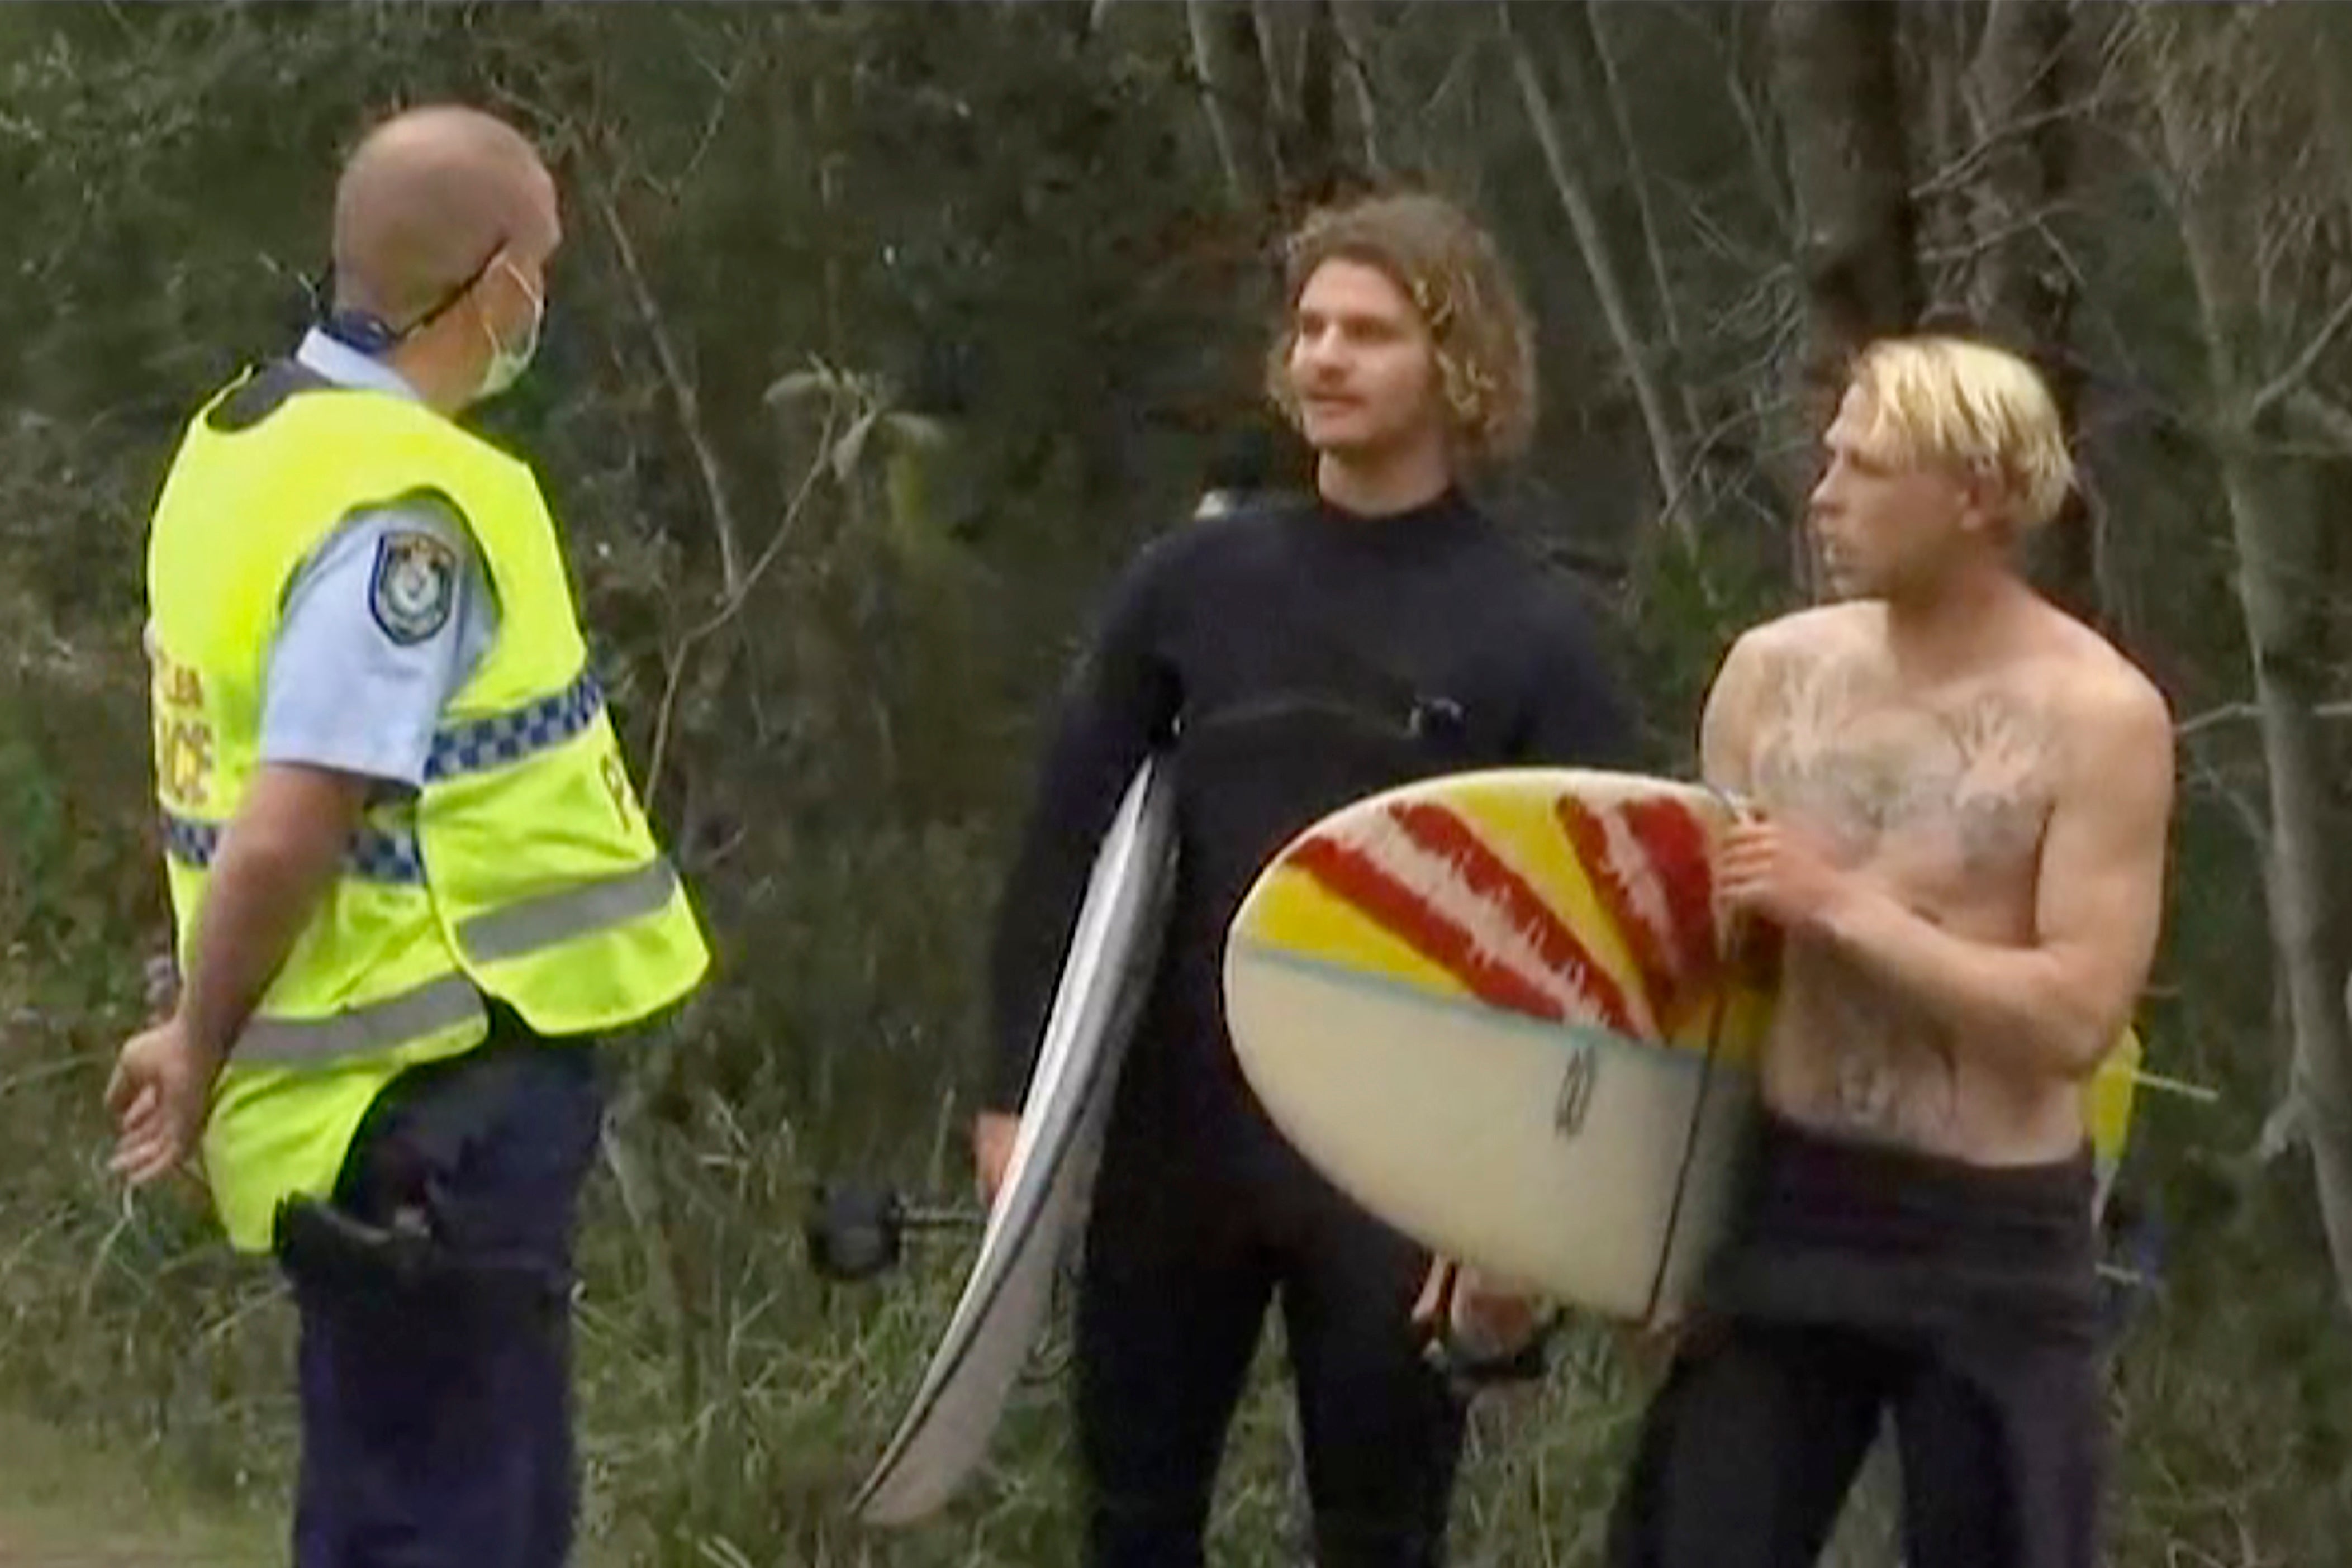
x=1293, y=658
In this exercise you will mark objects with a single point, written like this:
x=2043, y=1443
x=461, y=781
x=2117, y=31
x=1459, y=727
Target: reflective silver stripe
x=372, y=1029
x=553, y=918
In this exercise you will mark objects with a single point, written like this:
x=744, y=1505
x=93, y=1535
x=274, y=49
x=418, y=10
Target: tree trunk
x=1265, y=33
x=2024, y=74
x=1355, y=50
x=1675, y=362
x=1933, y=45
x=1568, y=182
x=1242, y=37
x=2020, y=80
x=1840, y=103
x=2329, y=38
x=2274, y=525
x=1208, y=72
x=1314, y=157
x=1275, y=104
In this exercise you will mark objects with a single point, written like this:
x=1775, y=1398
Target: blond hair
x=1448, y=266
x=1971, y=406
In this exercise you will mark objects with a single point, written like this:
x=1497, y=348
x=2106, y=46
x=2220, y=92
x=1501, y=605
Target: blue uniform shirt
x=382, y=625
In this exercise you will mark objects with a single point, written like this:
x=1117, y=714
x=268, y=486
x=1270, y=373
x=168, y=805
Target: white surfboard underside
x=1590, y=1166
x=1113, y=947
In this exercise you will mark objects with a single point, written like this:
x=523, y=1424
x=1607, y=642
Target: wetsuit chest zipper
x=1426, y=720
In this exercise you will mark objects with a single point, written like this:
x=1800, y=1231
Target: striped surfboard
x=1501, y=1011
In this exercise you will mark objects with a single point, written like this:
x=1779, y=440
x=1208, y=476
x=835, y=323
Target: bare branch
x=1993, y=238
x=1269, y=54
x=1204, y=70
x=2283, y=1129
x=820, y=463
x=2227, y=714
x=2200, y=776
x=681, y=391
x=722, y=98
x=1686, y=487
x=2240, y=712
x=1629, y=147
x=2295, y=374
x=1770, y=182
x=1965, y=166
x=1570, y=185
x=2327, y=416
x=1359, y=70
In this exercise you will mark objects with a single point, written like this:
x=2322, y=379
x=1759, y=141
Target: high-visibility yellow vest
x=523, y=870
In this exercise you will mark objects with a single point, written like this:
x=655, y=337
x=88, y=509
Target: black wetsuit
x=1294, y=659
x=1861, y=1282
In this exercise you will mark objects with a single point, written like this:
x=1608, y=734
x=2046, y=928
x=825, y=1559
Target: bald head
x=426, y=199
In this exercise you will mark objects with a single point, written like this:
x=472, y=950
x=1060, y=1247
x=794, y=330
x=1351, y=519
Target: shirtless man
x=1962, y=805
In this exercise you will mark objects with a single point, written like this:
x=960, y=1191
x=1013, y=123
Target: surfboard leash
x=1739, y=811
x=1690, y=1152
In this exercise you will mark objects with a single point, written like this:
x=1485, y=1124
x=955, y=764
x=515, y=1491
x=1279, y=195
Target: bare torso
x=1939, y=792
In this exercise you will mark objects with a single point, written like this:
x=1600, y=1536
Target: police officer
x=411, y=877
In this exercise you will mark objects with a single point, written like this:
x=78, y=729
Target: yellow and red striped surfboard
x=1499, y=1010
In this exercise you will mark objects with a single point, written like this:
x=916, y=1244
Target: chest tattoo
x=1965, y=775
x=1940, y=793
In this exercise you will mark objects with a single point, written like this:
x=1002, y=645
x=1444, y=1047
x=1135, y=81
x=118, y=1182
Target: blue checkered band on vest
x=374, y=856
x=508, y=737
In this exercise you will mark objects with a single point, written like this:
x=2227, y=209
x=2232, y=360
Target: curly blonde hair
x=1448, y=266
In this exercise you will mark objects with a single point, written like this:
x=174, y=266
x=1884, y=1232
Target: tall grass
x=729, y=1411
x=730, y=1400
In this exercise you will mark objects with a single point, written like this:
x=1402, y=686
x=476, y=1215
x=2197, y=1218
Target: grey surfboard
x=1106, y=973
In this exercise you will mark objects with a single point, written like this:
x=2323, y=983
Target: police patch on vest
x=414, y=585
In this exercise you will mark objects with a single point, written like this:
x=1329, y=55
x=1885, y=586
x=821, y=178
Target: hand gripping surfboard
x=1501, y=1011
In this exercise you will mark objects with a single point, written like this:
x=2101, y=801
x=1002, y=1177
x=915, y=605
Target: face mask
x=507, y=365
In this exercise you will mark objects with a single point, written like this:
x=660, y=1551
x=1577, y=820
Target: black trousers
x=437, y=1416
x=1746, y=1455
x=1961, y=1301
x=1179, y=1270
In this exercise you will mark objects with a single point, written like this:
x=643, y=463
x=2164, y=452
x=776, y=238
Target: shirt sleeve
x=381, y=626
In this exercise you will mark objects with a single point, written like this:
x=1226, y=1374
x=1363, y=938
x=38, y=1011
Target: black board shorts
x=1859, y=1284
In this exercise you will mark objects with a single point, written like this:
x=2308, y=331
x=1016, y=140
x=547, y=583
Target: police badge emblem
x=414, y=585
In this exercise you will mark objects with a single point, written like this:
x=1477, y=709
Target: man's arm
x=1120, y=704
x=275, y=858
x=1728, y=718
x=1578, y=713
x=356, y=682
x=275, y=861
x=2056, y=1006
